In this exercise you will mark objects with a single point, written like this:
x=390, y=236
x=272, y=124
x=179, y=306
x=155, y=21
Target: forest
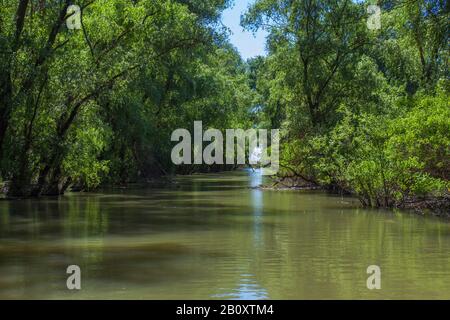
x=361, y=111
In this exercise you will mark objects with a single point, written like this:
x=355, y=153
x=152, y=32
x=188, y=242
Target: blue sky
x=248, y=45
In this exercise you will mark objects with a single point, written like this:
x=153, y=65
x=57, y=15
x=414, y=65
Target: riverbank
x=142, y=184
x=435, y=206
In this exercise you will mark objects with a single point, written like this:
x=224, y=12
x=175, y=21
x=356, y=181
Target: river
x=214, y=237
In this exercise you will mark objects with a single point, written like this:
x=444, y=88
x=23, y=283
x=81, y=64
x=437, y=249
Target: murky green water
x=211, y=236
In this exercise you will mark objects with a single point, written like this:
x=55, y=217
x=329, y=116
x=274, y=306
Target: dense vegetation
x=362, y=111
x=98, y=104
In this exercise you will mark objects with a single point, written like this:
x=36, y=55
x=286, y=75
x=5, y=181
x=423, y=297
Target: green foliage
x=97, y=105
x=87, y=141
x=423, y=134
x=360, y=110
x=385, y=161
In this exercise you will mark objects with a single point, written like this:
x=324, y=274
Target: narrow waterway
x=214, y=237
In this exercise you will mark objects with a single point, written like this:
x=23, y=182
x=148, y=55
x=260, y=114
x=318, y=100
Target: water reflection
x=257, y=203
x=247, y=289
x=213, y=236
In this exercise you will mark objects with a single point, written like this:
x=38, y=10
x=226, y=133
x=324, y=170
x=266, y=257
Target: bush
x=386, y=161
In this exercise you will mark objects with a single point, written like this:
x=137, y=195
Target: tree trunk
x=5, y=105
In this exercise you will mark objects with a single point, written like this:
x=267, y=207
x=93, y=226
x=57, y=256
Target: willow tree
x=315, y=44
x=58, y=83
